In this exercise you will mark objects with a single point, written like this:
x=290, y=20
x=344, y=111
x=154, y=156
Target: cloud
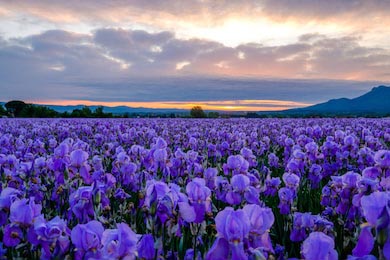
x=264, y=20
x=209, y=11
x=122, y=65
x=326, y=9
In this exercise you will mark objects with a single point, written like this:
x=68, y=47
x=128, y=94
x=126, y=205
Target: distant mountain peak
x=381, y=89
x=374, y=102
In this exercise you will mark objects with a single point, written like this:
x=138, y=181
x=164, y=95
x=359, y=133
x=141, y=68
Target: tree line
x=17, y=108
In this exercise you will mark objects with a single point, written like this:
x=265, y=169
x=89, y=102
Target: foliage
x=15, y=107
x=197, y=112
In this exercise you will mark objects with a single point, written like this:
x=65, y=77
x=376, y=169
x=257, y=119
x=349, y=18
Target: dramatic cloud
x=133, y=65
x=111, y=53
x=230, y=22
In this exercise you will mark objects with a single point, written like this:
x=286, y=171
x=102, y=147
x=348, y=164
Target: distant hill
x=118, y=109
x=375, y=102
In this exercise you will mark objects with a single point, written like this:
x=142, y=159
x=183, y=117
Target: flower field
x=195, y=189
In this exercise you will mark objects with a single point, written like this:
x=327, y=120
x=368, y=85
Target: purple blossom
x=236, y=164
x=286, y=197
x=232, y=227
x=302, y=222
x=12, y=236
x=24, y=211
x=261, y=221
x=145, y=247
x=52, y=235
x=319, y=246
x=272, y=186
x=199, y=201
x=81, y=203
x=87, y=239
x=119, y=243
x=241, y=188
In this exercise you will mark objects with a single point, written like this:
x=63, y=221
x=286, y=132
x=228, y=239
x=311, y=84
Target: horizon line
x=217, y=105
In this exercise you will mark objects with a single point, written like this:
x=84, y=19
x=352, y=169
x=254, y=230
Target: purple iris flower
x=209, y=175
x=302, y=222
x=78, y=158
x=315, y=175
x=87, y=239
x=319, y=246
x=241, y=188
x=13, y=235
x=222, y=187
x=161, y=143
x=371, y=172
x=261, y=221
x=375, y=210
x=79, y=165
x=145, y=247
x=165, y=208
x=8, y=196
x=52, y=235
x=311, y=151
x=249, y=157
x=236, y=164
x=199, y=201
x=291, y=180
x=382, y=159
x=81, y=203
x=272, y=186
x=119, y=243
x=273, y=160
x=24, y=211
x=233, y=228
x=373, y=205
x=286, y=197
x=350, y=179
x=155, y=190
x=365, y=242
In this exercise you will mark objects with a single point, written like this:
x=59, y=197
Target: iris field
x=194, y=189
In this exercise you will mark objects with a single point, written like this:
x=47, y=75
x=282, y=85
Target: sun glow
x=224, y=105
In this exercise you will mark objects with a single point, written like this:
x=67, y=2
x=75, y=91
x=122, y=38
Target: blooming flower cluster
x=195, y=189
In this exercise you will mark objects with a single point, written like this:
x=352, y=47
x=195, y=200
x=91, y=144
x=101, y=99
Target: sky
x=229, y=55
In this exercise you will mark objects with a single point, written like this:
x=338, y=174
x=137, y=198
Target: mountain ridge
x=376, y=101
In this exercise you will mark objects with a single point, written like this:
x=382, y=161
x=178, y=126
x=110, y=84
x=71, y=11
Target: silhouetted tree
x=14, y=107
x=2, y=111
x=213, y=115
x=197, y=112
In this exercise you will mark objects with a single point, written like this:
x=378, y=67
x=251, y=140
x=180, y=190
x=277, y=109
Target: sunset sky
x=231, y=55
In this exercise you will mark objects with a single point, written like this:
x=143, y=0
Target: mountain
x=375, y=102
